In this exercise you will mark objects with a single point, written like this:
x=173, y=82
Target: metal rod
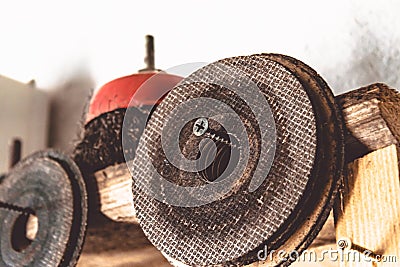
x=149, y=58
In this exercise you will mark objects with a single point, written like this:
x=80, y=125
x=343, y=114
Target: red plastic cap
x=118, y=93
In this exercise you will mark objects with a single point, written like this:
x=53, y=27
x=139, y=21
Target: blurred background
x=70, y=48
x=54, y=54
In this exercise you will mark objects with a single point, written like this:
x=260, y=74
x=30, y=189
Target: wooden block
x=370, y=205
x=371, y=115
x=115, y=192
x=368, y=208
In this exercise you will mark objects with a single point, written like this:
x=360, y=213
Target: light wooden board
x=369, y=212
x=115, y=192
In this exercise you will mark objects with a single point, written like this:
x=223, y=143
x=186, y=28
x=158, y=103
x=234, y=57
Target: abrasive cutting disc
x=244, y=154
x=49, y=187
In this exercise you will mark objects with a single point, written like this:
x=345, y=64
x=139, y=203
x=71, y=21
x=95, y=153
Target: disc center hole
x=24, y=231
x=225, y=159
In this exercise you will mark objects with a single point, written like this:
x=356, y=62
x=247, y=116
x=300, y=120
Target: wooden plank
x=368, y=208
x=371, y=115
x=115, y=192
x=370, y=213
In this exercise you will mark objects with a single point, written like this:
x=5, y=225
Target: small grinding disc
x=292, y=201
x=46, y=186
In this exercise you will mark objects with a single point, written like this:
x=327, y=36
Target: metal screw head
x=200, y=126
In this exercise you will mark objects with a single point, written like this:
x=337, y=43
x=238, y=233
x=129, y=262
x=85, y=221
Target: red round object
x=118, y=93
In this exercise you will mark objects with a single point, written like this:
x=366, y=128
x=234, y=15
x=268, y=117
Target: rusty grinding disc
x=43, y=211
x=244, y=154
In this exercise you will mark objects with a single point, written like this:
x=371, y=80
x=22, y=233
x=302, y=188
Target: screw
x=200, y=126
x=346, y=244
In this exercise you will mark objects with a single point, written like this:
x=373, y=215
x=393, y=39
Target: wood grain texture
x=371, y=115
x=115, y=192
x=370, y=212
x=368, y=209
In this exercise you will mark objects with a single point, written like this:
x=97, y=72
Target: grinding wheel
x=48, y=187
x=243, y=155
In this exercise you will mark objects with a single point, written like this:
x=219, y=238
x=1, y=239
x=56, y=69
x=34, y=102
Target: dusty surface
x=119, y=245
x=140, y=257
x=124, y=245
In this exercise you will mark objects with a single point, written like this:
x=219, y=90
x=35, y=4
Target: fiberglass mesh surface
x=229, y=228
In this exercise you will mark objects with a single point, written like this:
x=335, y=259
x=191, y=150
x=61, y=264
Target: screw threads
x=220, y=139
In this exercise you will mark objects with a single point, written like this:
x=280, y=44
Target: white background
x=350, y=43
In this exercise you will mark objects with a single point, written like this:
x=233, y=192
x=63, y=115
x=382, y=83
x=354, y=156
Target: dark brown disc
x=300, y=123
x=44, y=191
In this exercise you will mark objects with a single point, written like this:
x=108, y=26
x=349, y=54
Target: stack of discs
x=244, y=154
